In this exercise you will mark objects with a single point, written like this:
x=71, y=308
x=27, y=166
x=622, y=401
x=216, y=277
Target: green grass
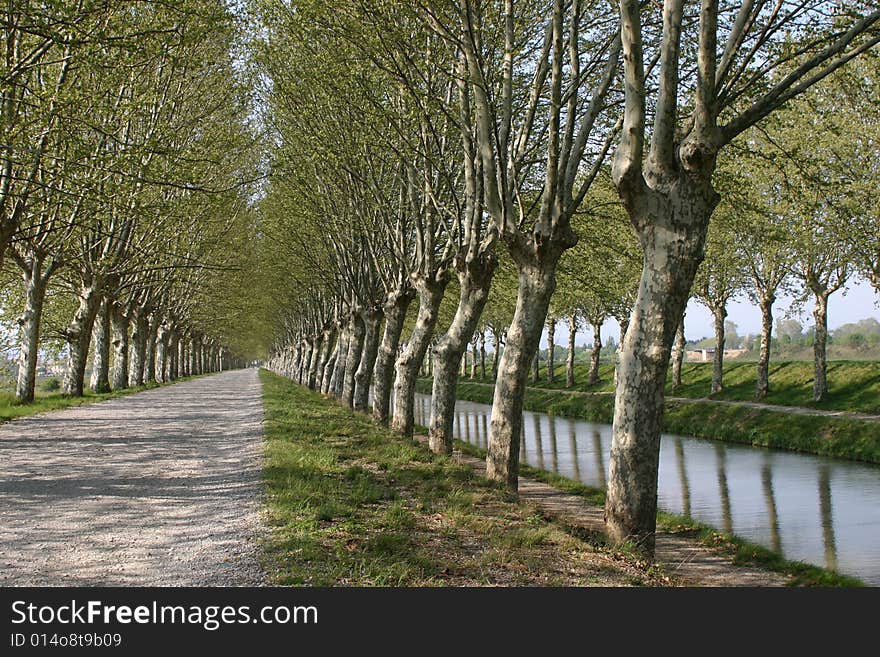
x=350, y=503
x=737, y=549
x=852, y=385
x=838, y=437
x=11, y=409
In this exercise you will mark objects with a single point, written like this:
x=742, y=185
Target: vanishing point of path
x=158, y=488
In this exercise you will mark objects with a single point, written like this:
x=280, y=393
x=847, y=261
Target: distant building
x=705, y=355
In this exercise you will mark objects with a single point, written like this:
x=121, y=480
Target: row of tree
x=423, y=147
x=123, y=154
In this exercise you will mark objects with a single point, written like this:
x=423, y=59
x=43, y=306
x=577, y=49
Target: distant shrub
x=51, y=385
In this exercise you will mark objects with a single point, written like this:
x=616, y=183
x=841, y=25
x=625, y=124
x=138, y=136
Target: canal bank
x=823, y=435
x=805, y=508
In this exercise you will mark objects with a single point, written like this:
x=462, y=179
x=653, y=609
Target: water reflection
x=682, y=475
x=809, y=508
x=600, y=459
x=827, y=521
x=539, y=441
x=573, y=449
x=721, y=464
x=772, y=516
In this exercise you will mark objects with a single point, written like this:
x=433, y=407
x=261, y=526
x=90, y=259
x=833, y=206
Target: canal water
x=809, y=508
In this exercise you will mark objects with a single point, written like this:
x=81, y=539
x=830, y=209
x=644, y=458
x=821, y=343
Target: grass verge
x=11, y=409
x=737, y=549
x=350, y=503
x=856, y=440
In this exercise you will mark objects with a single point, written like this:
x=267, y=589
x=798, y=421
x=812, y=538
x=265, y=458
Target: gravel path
x=158, y=488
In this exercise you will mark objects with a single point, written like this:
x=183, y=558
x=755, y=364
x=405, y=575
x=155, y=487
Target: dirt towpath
x=158, y=488
x=686, y=560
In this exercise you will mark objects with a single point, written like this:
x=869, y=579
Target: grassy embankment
x=855, y=384
x=52, y=401
x=350, y=503
x=852, y=385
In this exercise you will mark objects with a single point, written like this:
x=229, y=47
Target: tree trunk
x=498, y=338
x=78, y=336
x=820, y=341
x=395, y=315
x=328, y=340
x=100, y=381
x=35, y=295
x=482, y=339
x=551, y=350
x=473, y=374
x=173, y=341
x=572, y=335
x=330, y=365
x=150, y=354
x=596, y=351
x=119, y=322
x=363, y=378
x=763, y=387
x=678, y=355
x=140, y=328
x=316, y=361
x=536, y=364
x=338, y=377
x=672, y=241
x=407, y=366
x=474, y=284
x=720, y=314
x=357, y=332
x=536, y=286
x=161, y=352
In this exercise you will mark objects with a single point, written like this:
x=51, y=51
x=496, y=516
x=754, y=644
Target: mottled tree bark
x=678, y=355
x=150, y=353
x=551, y=349
x=595, y=352
x=430, y=293
x=78, y=337
x=763, y=385
x=363, y=378
x=139, y=331
x=357, y=332
x=330, y=365
x=719, y=314
x=572, y=335
x=395, y=315
x=482, y=340
x=820, y=342
x=338, y=377
x=670, y=263
x=100, y=381
x=35, y=281
x=536, y=285
x=498, y=340
x=315, y=361
x=473, y=373
x=162, y=352
x=119, y=323
x=536, y=365
x=474, y=283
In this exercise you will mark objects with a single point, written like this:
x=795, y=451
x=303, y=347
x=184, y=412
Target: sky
x=859, y=302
